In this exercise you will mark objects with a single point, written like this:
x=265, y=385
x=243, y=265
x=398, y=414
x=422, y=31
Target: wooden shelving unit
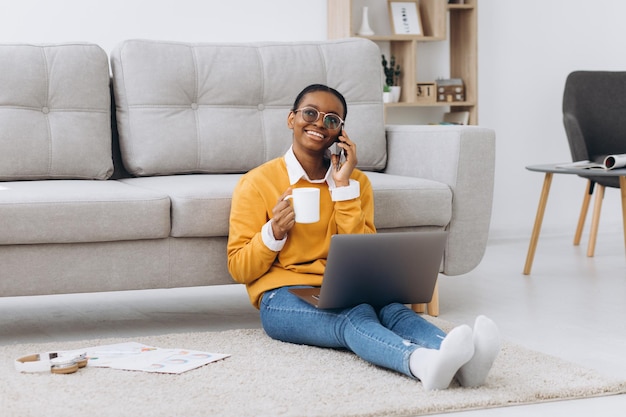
x=439, y=20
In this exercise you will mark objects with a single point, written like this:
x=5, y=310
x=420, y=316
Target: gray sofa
x=120, y=177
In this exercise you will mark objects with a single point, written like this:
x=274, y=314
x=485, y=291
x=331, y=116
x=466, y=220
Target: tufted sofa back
x=222, y=108
x=55, y=116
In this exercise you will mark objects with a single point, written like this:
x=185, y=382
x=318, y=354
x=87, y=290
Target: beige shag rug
x=264, y=377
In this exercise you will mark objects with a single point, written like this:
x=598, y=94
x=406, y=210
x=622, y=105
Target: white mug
x=306, y=204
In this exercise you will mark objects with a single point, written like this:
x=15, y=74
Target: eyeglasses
x=311, y=115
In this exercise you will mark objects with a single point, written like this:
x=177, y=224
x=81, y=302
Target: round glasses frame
x=329, y=119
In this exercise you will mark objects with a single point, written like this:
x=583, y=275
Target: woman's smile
x=315, y=135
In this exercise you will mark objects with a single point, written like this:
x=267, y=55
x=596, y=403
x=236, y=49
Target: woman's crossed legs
x=393, y=337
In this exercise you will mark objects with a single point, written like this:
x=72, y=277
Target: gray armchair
x=593, y=116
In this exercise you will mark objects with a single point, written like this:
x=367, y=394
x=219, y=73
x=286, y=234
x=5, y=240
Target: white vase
x=387, y=97
x=365, y=30
x=395, y=94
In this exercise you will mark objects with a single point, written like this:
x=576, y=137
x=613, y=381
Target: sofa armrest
x=463, y=157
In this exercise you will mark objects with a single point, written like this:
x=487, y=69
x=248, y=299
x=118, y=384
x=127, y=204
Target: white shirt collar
x=295, y=170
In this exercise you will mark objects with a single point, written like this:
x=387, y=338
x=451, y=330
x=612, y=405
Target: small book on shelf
x=456, y=118
x=609, y=162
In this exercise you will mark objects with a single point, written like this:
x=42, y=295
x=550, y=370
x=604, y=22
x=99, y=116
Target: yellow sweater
x=303, y=258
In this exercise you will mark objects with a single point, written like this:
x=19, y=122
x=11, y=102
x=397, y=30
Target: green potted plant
x=392, y=75
x=386, y=94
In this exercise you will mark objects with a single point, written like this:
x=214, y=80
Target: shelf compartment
x=344, y=20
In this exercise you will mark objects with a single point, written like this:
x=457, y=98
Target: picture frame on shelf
x=405, y=17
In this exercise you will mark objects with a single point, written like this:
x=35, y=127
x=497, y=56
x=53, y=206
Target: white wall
x=526, y=49
x=108, y=22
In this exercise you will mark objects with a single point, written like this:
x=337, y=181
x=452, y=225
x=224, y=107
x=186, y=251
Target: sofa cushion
x=222, y=108
x=55, y=116
x=66, y=211
x=200, y=203
x=408, y=201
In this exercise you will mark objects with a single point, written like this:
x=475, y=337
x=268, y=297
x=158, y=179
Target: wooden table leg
x=595, y=221
x=583, y=212
x=622, y=187
x=538, y=221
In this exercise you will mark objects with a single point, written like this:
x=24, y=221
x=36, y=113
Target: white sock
x=436, y=367
x=487, y=345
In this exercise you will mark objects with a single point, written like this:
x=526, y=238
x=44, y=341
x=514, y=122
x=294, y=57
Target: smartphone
x=340, y=134
x=339, y=151
x=336, y=150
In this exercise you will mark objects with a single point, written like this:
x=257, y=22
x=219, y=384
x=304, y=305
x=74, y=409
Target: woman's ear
x=290, y=120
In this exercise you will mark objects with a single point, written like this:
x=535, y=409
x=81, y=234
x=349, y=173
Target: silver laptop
x=378, y=269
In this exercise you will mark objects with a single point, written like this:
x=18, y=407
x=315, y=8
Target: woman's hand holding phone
x=343, y=169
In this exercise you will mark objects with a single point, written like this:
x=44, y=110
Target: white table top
x=583, y=172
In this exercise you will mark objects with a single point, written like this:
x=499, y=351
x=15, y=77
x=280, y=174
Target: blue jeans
x=385, y=337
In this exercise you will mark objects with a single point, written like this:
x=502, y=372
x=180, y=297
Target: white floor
x=571, y=306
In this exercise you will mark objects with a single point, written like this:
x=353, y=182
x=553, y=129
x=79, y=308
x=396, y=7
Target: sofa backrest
x=222, y=108
x=54, y=112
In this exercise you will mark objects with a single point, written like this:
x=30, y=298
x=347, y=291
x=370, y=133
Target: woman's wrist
x=349, y=191
x=269, y=238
